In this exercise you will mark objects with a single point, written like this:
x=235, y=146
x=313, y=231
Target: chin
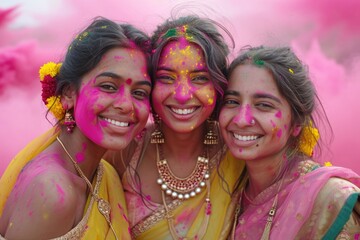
x=117, y=144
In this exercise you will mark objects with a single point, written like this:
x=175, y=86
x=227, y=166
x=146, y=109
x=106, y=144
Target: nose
x=183, y=91
x=124, y=102
x=244, y=117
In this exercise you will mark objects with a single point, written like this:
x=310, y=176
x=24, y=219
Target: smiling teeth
x=117, y=123
x=183, y=111
x=245, y=138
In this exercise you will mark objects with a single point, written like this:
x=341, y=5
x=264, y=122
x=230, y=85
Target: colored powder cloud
x=324, y=33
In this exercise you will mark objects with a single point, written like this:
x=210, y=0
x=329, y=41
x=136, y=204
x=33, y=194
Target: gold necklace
x=270, y=217
x=205, y=177
x=182, y=188
x=103, y=206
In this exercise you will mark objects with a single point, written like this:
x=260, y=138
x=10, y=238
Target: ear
x=296, y=130
x=68, y=97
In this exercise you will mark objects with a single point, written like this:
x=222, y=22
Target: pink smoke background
x=324, y=33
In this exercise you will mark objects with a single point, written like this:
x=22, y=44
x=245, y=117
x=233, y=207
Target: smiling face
x=253, y=95
x=112, y=103
x=184, y=95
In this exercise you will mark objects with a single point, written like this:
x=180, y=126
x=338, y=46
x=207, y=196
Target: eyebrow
x=230, y=92
x=144, y=83
x=257, y=95
x=267, y=95
x=116, y=76
x=172, y=70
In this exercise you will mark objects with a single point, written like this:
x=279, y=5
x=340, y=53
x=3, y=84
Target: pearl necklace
x=182, y=188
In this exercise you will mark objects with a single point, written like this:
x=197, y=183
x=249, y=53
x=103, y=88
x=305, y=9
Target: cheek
x=279, y=126
x=207, y=95
x=224, y=118
x=142, y=110
x=278, y=114
x=275, y=129
x=160, y=93
x=86, y=107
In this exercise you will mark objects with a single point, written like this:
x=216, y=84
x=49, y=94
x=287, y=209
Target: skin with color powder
x=106, y=87
x=268, y=120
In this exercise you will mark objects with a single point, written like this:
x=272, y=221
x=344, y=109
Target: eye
x=167, y=79
x=264, y=106
x=230, y=102
x=140, y=94
x=200, y=79
x=108, y=87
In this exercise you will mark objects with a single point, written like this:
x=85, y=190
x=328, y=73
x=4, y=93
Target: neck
x=184, y=147
x=83, y=151
x=262, y=174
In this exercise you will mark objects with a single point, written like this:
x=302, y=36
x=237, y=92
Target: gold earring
x=211, y=138
x=157, y=136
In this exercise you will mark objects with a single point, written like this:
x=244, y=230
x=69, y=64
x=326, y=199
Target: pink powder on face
x=279, y=133
x=183, y=43
x=285, y=127
x=248, y=114
x=121, y=90
x=272, y=123
x=118, y=58
x=183, y=92
x=278, y=114
x=238, y=116
x=87, y=97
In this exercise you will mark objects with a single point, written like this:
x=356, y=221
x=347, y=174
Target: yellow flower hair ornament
x=308, y=139
x=47, y=75
x=327, y=164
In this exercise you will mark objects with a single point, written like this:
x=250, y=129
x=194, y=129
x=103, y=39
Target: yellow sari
x=155, y=226
x=107, y=183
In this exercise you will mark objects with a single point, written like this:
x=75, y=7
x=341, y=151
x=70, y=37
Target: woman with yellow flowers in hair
x=268, y=120
x=59, y=187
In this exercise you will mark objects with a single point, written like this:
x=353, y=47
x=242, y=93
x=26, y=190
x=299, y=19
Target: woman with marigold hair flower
x=268, y=120
x=59, y=187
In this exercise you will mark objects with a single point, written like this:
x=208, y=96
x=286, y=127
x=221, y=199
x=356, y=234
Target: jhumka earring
x=211, y=138
x=69, y=122
x=157, y=136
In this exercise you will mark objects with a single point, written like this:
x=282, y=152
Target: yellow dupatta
x=222, y=210
x=110, y=189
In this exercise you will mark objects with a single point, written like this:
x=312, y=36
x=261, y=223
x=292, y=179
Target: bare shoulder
x=42, y=203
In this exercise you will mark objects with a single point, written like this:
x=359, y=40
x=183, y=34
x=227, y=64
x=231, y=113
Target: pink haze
x=324, y=33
